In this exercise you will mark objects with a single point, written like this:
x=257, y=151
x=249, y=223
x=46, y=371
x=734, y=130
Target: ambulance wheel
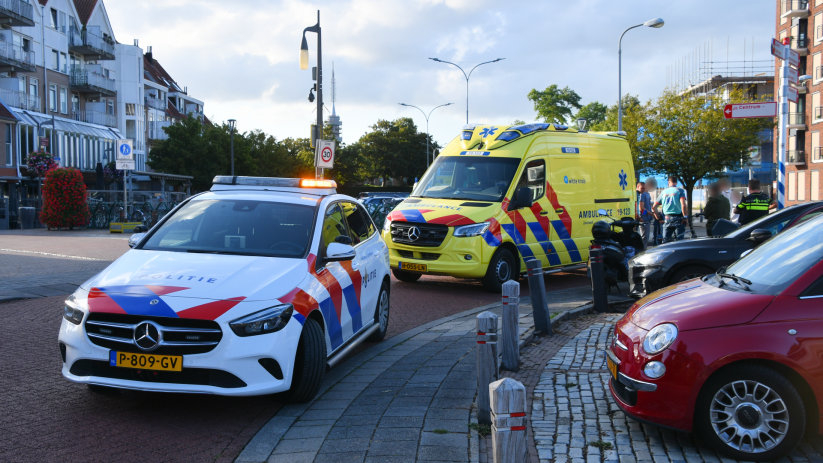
x=381, y=314
x=502, y=268
x=309, y=363
x=402, y=275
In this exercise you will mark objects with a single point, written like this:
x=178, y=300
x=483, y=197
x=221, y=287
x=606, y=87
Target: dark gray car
x=670, y=263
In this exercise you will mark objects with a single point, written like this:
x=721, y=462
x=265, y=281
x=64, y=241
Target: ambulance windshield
x=467, y=177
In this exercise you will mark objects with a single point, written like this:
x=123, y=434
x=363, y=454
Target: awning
x=66, y=125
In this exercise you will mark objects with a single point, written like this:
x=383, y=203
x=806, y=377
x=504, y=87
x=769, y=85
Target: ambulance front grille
x=180, y=336
x=418, y=255
x=418, y=234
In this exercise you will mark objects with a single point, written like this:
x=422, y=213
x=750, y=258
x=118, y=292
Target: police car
x=253, y=287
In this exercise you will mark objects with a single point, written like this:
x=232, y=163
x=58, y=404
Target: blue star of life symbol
x=623, y=182
x=488, y=131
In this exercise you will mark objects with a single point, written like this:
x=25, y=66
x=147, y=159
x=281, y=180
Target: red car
x=736, y=356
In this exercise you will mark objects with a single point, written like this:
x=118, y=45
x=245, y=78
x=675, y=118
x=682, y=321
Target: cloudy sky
x=241, y=56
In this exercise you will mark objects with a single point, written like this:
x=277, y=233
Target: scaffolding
x=703, y=64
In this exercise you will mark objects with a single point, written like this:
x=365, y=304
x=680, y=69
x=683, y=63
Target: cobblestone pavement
x=575, y=419
x=407, y=399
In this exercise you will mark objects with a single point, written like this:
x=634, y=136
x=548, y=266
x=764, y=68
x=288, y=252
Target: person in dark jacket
x=717, y=207
x=754, y=205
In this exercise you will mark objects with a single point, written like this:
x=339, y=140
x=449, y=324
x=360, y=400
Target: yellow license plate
x=611, y=366
x=146, y=361
x=413, y=267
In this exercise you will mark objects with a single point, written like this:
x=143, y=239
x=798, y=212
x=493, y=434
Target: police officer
x=754, y=205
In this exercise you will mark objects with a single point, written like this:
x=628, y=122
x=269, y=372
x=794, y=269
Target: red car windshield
x=778, y=262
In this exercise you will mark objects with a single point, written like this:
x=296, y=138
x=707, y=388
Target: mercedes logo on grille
x=413, y=234
x=147, y=336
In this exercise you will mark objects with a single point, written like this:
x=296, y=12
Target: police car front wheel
x=309, y=363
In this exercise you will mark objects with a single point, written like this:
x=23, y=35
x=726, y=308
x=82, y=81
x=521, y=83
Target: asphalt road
x=47, y=418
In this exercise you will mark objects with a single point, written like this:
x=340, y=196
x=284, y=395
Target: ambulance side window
x=534, y=177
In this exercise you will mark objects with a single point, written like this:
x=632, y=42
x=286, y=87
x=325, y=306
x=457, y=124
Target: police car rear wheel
x=402, y=275
x=309, y=363
x=381, y=314
x=502, y=268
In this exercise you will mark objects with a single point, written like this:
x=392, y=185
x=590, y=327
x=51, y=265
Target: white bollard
x=487, y=370
x=508, y=414
x=508, y=337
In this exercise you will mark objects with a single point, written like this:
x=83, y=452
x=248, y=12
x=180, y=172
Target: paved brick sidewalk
x=574, y=418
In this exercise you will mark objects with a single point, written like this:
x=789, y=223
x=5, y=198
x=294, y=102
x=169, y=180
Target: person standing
x=644, y=212
x=656, y=216
x=673, y=200
x=717, y=207
x=754, y=205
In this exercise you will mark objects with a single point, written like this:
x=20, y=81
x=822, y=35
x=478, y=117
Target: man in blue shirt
x=673, y=200
x=644, y=212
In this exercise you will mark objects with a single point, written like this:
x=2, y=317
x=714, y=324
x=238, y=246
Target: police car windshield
x=476, y=178
x=232, y=226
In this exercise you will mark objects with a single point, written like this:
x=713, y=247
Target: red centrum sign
x=746, y=110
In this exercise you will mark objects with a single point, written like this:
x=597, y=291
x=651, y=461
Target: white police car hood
x=190, y=285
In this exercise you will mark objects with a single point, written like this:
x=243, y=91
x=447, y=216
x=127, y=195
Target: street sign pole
x=783, y=122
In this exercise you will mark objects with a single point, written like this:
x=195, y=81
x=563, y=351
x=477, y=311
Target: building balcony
x=14, y=58
x=800, y=45
x=90, y=45
x=797, y=121
x=16, y=13
x=817, y=153
x=796, y=157
x=84, y=80
x=18, y=99
x=156, y=103
x=795, y=9
x=156, y=131
x=96, y=117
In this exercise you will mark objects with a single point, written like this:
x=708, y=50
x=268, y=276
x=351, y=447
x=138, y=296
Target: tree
x=555, y=104
x=688, y=136
x=393, y=149
x=594, y=113
x=631, y=104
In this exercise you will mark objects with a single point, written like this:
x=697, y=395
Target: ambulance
x=251, y=288
x=497, y=196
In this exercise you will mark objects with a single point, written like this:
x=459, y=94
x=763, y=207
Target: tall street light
x=232, y=123
x=467, y=76
x=318, y=77
x=655, y=23
x=427, y=123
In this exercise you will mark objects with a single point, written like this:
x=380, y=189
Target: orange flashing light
x=315, y=183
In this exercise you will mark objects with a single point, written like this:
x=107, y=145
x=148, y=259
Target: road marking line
x=51, y=254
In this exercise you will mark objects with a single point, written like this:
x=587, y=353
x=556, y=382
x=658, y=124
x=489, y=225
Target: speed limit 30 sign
x=325, y=153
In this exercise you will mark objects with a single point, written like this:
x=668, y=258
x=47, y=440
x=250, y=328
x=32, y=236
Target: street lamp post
x=232, y=123
x=467, y=76
x=304, y=64
x=655, y=23
x=427, y=123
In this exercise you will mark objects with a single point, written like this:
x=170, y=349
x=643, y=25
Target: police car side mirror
x=336, y=252
x=135, y=239
x=759, y=235
x=522, y=198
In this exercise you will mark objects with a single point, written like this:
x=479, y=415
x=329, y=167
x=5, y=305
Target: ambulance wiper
x=743, y=282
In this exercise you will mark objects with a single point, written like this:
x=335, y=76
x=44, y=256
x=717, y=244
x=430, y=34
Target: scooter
x=618, y=247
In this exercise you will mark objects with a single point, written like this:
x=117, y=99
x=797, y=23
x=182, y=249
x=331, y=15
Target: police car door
x=365, y=265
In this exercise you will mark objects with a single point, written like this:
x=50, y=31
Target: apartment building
x=801, y=22
x=68, y=86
